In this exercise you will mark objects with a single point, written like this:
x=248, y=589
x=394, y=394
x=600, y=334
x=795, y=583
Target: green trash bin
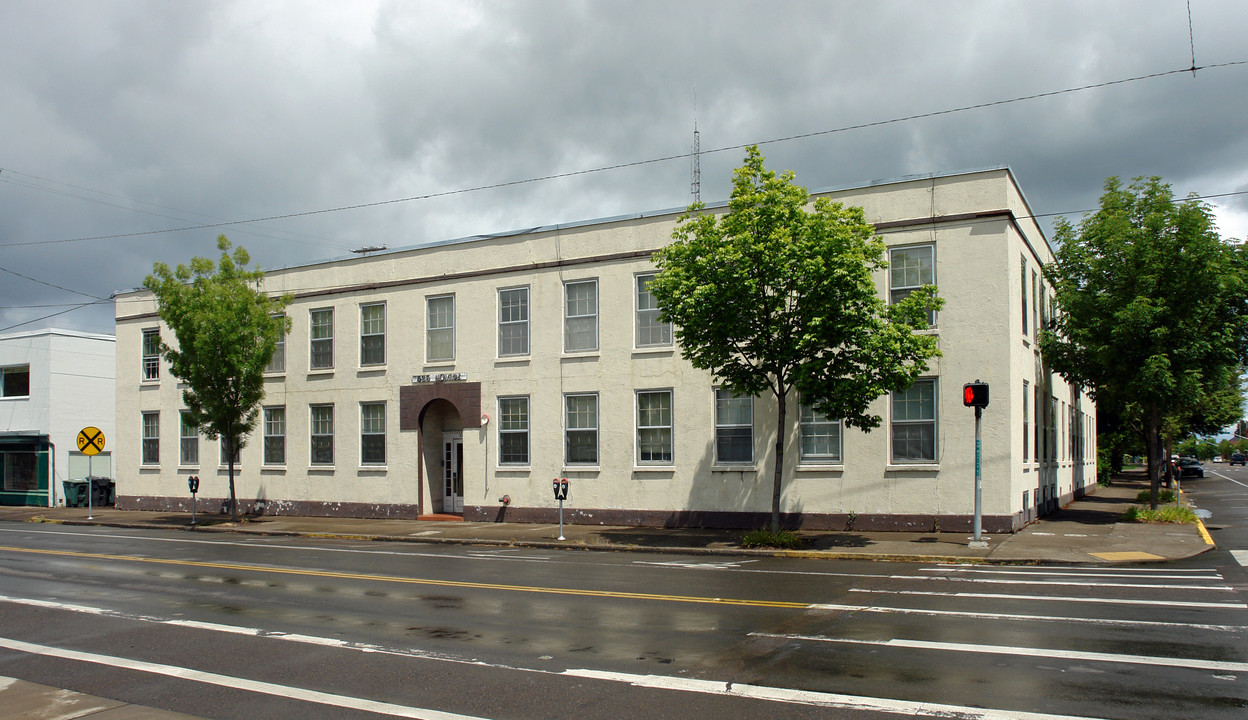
x=75, y=493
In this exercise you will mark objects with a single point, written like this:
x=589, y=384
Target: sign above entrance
x=90, y=441
x=439, y=377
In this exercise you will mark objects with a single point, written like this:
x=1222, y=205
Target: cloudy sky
x=125, y=122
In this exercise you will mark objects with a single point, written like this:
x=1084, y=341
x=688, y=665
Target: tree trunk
x=777, y=483
x=229, y=450
x=1152, y=438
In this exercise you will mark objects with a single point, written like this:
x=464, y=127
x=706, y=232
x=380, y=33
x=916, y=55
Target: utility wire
x=46, y=317
x=51, y=285
x=635, y=163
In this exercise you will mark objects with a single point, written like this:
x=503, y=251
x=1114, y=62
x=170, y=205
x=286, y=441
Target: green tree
x=777, y=295
x=227, y=329
x=1153, y=309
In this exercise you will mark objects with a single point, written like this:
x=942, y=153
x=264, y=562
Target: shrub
x=1167, y=514
x=766, y=538
x=1163, y=496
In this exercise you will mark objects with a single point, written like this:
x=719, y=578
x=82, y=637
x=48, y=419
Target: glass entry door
x=452, y=460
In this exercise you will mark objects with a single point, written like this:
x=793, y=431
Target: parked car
x=1217, y=458
x=1239, y=459
x=1191, y=467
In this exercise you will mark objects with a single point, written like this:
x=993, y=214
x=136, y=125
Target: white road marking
x=1211, y=574
x=1012, y=581
x=1241, y=557
x=695, y=565
x=818, y=699
x=758, y=692
x=1190, y=663
x=235, y=683
x=1231, y=479
x=1031, y=618
x=1002, y=596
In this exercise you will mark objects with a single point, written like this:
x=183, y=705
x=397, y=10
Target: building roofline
x=58, y=331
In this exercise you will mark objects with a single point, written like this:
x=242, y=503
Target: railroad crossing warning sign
x=91, y=441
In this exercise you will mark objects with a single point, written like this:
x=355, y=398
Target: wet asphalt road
x=227, y=627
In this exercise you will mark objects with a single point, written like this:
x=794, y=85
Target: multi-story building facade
x=53, y=385
x=462, y=377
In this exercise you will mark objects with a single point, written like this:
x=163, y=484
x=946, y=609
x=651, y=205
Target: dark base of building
x=838, y=522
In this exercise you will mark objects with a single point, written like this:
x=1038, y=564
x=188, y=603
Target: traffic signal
x=975, y=394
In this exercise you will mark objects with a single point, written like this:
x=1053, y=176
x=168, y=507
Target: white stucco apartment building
x=53, y=384
x=462, y=377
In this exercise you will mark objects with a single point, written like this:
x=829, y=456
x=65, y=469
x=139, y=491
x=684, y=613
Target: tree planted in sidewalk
x=777, y=295
x=1153, y=310
x=227, y=329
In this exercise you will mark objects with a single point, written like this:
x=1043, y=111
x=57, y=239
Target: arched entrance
x=439, y=412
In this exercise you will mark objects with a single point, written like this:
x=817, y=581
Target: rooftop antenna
x=695, y=184
x=366, y=250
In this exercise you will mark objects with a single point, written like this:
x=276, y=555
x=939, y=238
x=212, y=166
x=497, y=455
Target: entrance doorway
x=453, y=477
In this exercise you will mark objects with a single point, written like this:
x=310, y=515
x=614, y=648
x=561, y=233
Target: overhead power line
x=632, y=164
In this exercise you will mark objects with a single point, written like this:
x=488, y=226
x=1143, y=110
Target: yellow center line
x=417, y=581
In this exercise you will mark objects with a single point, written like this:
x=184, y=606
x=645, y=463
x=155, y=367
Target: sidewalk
x=1086, y=531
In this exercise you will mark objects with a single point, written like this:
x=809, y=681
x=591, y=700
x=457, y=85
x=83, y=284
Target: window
x=513, y=322
x=910, y=268
x=1024, y=294
x=1050, y=431
x=654, y=427
x=440, y=338
x=1038, y=414
x=277, y=363
x=580, y=319
x=1035, y=309
x=914, y=423
x=372, y=433
x=275, y=436
x=651, y=331
x=151, y=354
x=151, y=438
x=1026, y=421
x=820, y=436
x=581, y=435
x=189, y=447
x=513, y=431
x=322, y=434
x=322, y=339
x=373, y=334
x=224, y=459
x=734, y=428
x=15, y=381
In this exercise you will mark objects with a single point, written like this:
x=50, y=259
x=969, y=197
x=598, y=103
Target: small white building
x=462, y=377
x=53, y=384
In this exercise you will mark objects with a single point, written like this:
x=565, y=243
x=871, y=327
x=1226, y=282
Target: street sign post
x=90, y=442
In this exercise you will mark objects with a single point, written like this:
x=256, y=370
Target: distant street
x=222, y=626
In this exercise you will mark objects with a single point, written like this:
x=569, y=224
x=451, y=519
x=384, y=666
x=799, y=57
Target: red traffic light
x=975, y=394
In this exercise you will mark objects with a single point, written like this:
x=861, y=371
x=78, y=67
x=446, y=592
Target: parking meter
x=193, y=483
x=561, y=494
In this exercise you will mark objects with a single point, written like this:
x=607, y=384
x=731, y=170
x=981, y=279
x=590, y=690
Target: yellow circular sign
x=91, y=441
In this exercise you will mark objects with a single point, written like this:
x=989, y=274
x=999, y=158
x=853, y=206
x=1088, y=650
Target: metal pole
x=561, y=537
x=90, y=486
x=978, y=542
x=192, y=509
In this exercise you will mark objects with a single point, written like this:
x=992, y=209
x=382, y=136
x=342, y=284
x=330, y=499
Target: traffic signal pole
x=978, y=541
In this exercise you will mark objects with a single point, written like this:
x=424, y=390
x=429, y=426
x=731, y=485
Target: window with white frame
x=322, y=434
x=513, y=430
x=15, y=381
x=581, y=429
x=277, y=363
x=275, y=436
x=1024, y=294
x=914, y=423
x=188, y=451
x=1035, y=309
x=151, y=353
x=654, y=427
x=440, y=328
x=910, y=268
x=373, y=334
x=580, y=319
x=322, y=342
x=513, y=322
x=734, y=428
x=1038, y=425
x=151, y=438
x=820, y=437
x=224, y=458
x=650, y=331
x=372, y=433
x=1026, y=421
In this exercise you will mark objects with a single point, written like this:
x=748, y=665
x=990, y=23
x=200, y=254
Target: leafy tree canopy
x=226, y=330
x=1154, y=308
x=777, y=294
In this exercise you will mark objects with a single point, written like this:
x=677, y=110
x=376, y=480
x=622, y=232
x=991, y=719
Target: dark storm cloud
x=142, y=116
